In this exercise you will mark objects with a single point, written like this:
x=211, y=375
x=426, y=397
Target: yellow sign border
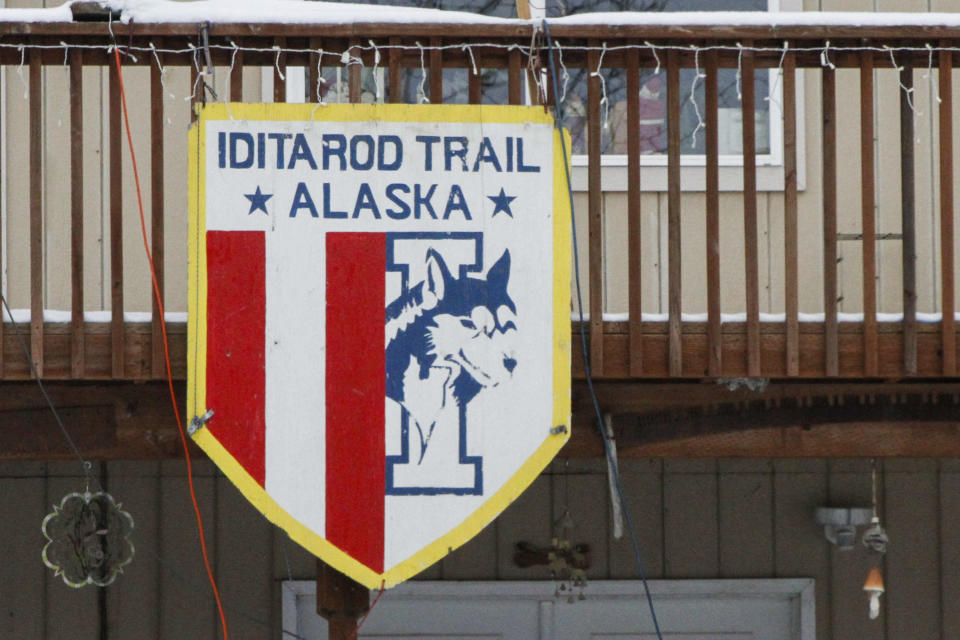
x=197, y=323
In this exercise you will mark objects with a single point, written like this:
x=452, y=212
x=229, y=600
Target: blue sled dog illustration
x=447, y=339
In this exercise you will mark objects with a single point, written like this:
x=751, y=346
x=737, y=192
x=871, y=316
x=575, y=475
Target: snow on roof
x=303, y=12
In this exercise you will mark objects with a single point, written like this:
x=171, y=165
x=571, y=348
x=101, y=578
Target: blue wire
x=638, y=557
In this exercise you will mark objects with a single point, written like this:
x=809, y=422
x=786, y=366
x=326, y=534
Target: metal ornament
x=88, y=539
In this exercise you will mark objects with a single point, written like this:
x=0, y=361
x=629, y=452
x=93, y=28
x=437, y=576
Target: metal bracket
x=209, y=70
x=199, y=422
x=557, y=430
x=752, y=384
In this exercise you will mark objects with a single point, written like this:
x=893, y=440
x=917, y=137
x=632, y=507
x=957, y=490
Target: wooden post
x=340, y=600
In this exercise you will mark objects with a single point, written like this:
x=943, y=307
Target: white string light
x=320, y=79
x=739, y=72
x=423, y=76
x=377, y=84
x=825, y=57
x=653, y=50
x=907, y=90
x=604, y=103
x=564, y=74
x=696, y=106
x=776, y=80
x=473, y=61
x=66, y=51
x=933, y=85
x=276, y=61
x=23, y=81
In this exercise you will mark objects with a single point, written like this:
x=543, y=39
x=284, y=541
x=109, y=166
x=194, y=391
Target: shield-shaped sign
x=379, y=319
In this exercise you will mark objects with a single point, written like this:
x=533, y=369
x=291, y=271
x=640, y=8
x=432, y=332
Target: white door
x=779, y=609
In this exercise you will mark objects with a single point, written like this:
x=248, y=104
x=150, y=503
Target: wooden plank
x=674, y=234
x=948, y=333
x=25, y=502
x=514, y=77
x=799, y=547
x=133, y=611
x=745, y=527
x=691, y=543
x=436, y=71
x=280, y=71
x=236, y=76
x=475, y=80
x=36, y=212
x=76, y=214
x=587, y=494
x=634, y=218
x=868, y=215
x=182, y=573
x=595, y=213
x=750, y=240
x=913, y=561
x=790, y=236
x=526, y=520
x=251, y=610
x=354, y=76
x=948, y=513
x=643, y=489
x=395, y=71
x=909, y=229
x=712, y=139
x=829, y=160
x=158, y=367
x=116, y=225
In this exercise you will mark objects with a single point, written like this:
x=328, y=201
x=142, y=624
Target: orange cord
x=166, y=353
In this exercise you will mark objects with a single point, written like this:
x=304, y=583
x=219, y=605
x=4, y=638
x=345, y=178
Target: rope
x=166, y=352
x=638, y=557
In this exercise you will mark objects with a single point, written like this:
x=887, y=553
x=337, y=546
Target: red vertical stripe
x=356, y=264
x=236, y=315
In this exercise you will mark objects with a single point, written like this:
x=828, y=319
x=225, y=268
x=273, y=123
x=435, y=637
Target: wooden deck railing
x=635, y=348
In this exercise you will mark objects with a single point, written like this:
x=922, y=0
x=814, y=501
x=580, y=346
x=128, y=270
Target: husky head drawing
x=452, y=334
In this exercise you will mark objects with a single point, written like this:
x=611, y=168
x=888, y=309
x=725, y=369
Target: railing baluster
x=829, y=102
x=436, y=71
x=634, y=272
x=393, y=58
x=515, y=77
x=790, y=239
x=116, y=224
x=475, y=84
x=751, y=259
x=712, y=140
x=236, y=76
x=908, y=208
x=158, y=363
x=76, y=215
x=280, y=71
x=595, y=213
x=674, y=338
x=948, y=335
x=36, y=212
x=868, y=224
x=354, y=77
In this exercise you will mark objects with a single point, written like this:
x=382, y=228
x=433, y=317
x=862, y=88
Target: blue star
x=258, y=200
x=502, y=203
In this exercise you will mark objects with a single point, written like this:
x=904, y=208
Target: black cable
x=638, y=557
x=87, y=467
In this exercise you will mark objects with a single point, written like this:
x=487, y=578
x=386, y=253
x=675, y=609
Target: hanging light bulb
x=874, y=587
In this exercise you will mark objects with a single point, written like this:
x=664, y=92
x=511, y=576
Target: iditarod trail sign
x=379, y=319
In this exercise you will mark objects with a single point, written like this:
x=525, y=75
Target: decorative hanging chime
x=88, y=539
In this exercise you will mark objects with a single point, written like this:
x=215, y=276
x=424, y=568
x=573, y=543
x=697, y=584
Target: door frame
x=540, y=592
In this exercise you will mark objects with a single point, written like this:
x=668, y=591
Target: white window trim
x=799, y=589
x=653, y=168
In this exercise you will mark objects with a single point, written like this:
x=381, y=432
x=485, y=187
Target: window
x=769, y=134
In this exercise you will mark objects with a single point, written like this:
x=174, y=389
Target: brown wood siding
x=707, y=518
